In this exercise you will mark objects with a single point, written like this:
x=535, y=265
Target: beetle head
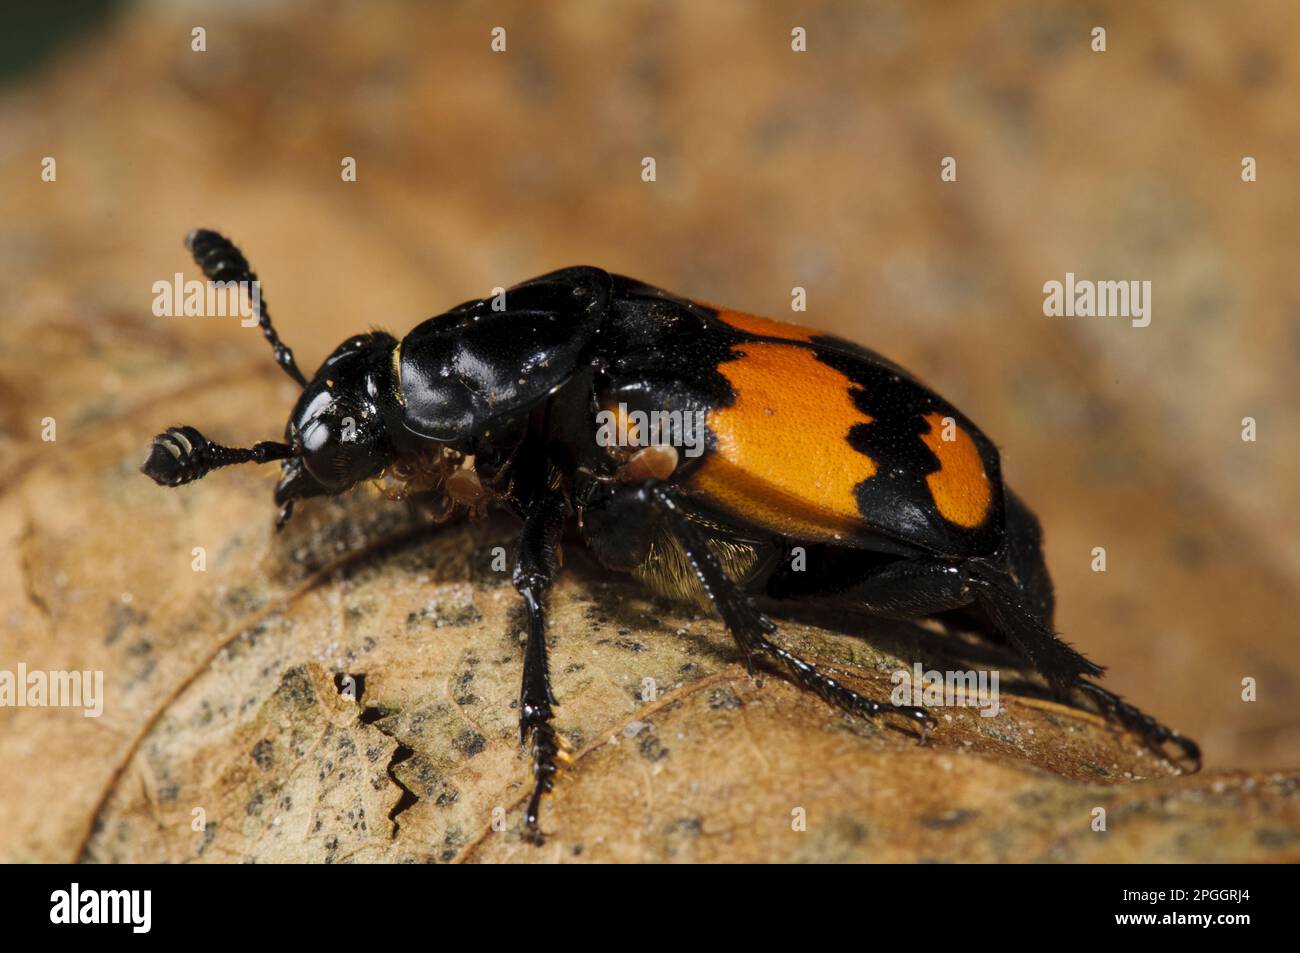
x=334, y=438
x=335, y=435
x=336, y=429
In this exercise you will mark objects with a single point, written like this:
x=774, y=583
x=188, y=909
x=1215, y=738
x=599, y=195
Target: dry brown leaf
x=221, y=685
x=713, y=769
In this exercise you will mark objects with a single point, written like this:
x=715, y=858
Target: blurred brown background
x=775, y=169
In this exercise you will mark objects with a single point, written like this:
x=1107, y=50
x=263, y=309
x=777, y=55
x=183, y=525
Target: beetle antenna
x=221, y=260
x=182, y=455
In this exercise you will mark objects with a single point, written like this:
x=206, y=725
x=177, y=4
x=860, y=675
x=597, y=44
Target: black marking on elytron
x=897, y=498
x=657, y=354
x=664, y=352
x=673, y=361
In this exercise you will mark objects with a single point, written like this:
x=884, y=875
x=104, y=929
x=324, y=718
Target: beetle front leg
x=534, y=571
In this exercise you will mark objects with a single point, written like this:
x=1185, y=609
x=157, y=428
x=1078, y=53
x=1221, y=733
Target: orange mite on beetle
x=809, y=442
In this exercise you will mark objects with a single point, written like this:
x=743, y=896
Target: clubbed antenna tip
x=221, y=260
x=182, y=455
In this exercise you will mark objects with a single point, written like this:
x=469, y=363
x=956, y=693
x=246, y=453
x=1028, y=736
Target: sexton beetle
x=891, y=494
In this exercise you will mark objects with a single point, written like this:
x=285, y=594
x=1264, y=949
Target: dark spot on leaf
x=723, y=699
x=264, y=754
x=651, y=747
x=469, y=743
x=296, y=688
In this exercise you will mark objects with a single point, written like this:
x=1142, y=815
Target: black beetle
x=699, y=448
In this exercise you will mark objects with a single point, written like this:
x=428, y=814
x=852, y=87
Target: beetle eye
x=326, y=457
x=341, y=462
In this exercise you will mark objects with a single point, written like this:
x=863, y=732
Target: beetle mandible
x=804, y=442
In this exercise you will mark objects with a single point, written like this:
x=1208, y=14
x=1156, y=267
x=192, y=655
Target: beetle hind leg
x=1186, y=753
x=914, y=588
x=909, y=589
x=1067, y=671
x=750, y=628
x=1052, y=657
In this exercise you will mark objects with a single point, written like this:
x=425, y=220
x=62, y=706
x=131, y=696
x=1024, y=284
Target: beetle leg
x=915, y=588
x=534, y=571
x=750, y=628
x=1052, y=657
x=1157, y=735
x=912, y=588
x=1010, y=609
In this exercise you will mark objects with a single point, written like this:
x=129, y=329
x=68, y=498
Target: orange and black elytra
x=699, y=449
